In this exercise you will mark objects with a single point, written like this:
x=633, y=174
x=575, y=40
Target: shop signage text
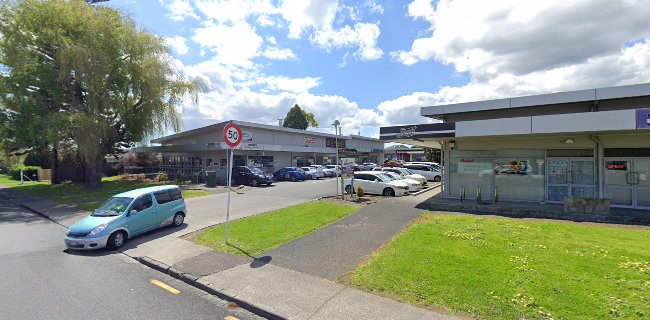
x=643, y=119
x=617, y=165
x=406, y=132
x=308, y=140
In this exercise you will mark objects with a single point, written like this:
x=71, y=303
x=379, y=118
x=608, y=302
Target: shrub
x=29, y=171
x=360, y=192
x=161, y=176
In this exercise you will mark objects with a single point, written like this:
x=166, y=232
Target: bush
x=29, y=171
x=360, y=192
x=161, y=176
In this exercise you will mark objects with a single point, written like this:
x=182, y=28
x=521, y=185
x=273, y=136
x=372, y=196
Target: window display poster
x=519, y=167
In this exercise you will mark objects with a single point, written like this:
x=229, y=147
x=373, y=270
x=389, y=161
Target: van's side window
x=163, y=196
x=176, y=194
x=143, y=203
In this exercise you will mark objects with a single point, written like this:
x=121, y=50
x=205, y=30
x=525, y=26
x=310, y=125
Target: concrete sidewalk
x=259, y=285
x=60, y=213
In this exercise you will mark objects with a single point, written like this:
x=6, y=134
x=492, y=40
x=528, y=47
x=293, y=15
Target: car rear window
x=163, y=197
x=176, y=194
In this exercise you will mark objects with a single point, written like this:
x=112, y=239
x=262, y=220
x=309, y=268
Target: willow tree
x=102, y=81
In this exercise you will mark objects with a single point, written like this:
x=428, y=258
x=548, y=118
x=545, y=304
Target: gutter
x=600, y=164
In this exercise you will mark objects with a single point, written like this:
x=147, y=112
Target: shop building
x=190, y=153
x=405, y=154
x=543, y=148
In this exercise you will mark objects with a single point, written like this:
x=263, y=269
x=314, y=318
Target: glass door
x=641, y=180
x=618, y=187
x=575, y=177
x=557, y=186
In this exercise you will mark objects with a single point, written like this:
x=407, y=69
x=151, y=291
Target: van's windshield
x=112, y=207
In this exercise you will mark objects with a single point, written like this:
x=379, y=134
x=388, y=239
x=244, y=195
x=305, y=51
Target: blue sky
x=372, y=63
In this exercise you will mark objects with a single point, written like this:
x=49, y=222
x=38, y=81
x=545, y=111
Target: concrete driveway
x=211, y=210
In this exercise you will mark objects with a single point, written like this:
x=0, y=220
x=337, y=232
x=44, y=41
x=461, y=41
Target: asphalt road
x=40, y=280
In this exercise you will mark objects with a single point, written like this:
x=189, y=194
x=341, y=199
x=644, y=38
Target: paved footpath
x=290, y=282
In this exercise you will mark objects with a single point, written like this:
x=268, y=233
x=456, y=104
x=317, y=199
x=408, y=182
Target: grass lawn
x=258, y=234
x=501, y=268
x=87, y=199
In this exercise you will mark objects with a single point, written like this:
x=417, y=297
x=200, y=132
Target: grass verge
x=257, y=234
x=76, y=195
x=501, y=268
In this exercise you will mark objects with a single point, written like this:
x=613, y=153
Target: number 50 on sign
x=232, y=135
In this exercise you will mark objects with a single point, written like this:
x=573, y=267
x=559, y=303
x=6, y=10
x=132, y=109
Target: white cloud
x=235, y=45
x=177, y=44
x=279, y=54
x=304, y=14
x=364, y=35
x=179, y=9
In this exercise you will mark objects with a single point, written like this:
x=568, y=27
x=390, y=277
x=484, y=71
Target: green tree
x=85, y=75
x=310, y=119
x=296, y=119
x=432, y=154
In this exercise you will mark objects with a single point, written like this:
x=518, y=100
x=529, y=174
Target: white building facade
x=589, y=143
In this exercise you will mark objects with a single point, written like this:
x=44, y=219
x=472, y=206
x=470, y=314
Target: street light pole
x=336, y=125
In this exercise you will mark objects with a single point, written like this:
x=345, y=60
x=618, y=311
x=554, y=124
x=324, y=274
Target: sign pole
x=232, y=136
x=232, y=151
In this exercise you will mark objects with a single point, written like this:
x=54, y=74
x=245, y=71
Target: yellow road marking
x=230, y=318
x=165, y=286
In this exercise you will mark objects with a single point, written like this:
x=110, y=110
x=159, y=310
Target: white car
x=313, y=173
x=427, y=171
x=327, y=172
x=404, y=173
x=414, y=185
x=337, y=169
x=435, y=165
x=373, y=182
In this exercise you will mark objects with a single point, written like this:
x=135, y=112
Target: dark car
x=290, y=173
x=250, y=176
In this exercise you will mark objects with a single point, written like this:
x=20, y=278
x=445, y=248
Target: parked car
x=434, y=165
x=404, y=172
x=313, y=173
x=127, y=215
x=290, y=173
x=427, y=171
x=374, y=182
x=414, y=185
x=336, y=169
x=326, y=171
x=369, y=165
x=250, y=176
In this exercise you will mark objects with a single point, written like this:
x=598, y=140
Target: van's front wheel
x=116, y=240
x=178, y=219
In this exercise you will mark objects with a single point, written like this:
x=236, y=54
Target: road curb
x=425, y=190
x=193, y=281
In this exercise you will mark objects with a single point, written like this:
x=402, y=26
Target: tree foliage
x=432, y=154
x=84, y=75
x=296, y=119
x=310, y=119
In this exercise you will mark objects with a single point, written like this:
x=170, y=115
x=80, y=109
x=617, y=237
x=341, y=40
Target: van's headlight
x=97, y=229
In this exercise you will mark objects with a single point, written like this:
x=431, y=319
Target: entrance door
x=570, y=177
x=642, y=180
x=627, y=182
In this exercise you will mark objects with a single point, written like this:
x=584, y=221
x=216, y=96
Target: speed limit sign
x=232, y=135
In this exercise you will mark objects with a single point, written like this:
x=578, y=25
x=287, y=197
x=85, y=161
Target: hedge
x=29, y=171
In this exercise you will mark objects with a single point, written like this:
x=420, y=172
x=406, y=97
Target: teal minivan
x=127, y=215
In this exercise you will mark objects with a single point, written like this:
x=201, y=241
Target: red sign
x=232, y=135
x=308, y=140
x=617, y=165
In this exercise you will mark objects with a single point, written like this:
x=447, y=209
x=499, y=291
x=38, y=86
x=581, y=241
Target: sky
x=371, y=63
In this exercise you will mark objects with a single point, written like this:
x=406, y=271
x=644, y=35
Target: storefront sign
x=643, y=119
x=616, y=165
x=308, y=140
x=251, y=146
x=331, y=143
x=406, y=132
x=247, y=136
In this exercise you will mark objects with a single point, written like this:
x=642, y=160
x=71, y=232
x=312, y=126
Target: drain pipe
x=600, y=154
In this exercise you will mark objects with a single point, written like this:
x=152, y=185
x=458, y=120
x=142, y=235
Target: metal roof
x=620, y=92
x=219, y=126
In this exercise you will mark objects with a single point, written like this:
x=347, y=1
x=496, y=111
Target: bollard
x=496, y=195
x=462, y=194
x=21, y=177
x=478, y=194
